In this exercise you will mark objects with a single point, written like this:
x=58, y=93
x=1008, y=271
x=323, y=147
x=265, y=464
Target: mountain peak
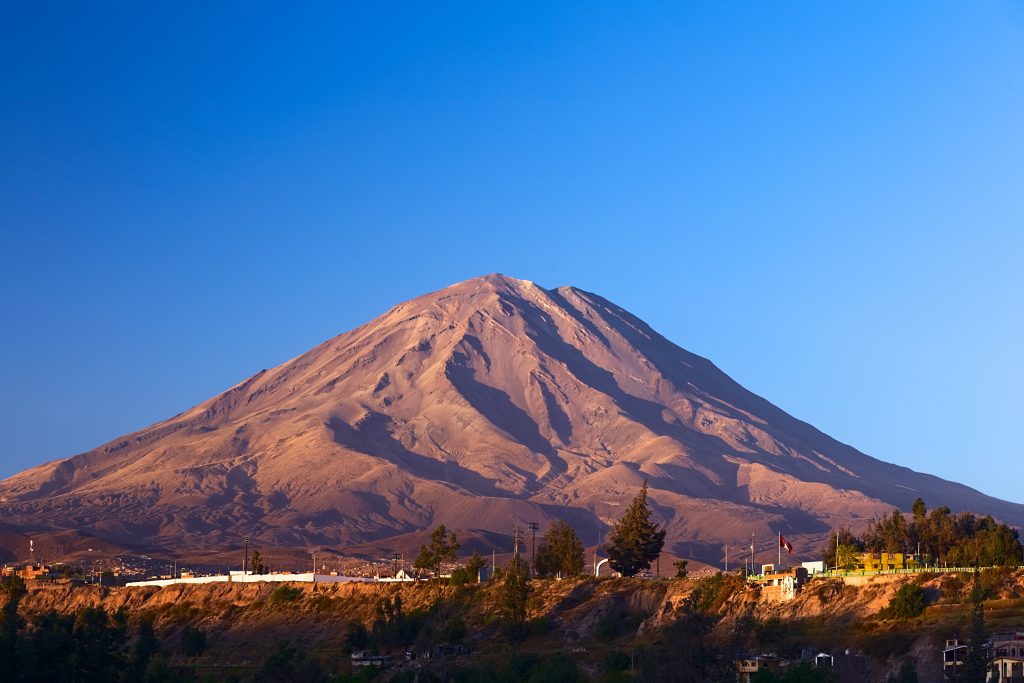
x=493, y=282
x=487, y=404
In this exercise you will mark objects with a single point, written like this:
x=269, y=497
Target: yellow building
x=887, y=562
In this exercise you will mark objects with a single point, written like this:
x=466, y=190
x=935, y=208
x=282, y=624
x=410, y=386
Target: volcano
x=487, y=404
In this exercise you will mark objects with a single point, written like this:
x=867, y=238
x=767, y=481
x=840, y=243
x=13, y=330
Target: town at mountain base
x=489, y=404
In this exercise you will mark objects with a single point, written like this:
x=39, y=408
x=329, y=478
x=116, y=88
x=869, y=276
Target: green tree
x=443, y=547
x=680, y=566
x=356, y=636
x=291, y=664
x=10, y=622
x=849, y=549
x=454, y=630
x=146, y=645
x=908, y=602
x=471, y=572
x=257, y=566
x=635, y=541
x=193, y=641
x=976, y=662
x=49, y=648
x=98, y=641
x=474, y=565
x=684, y=653
x=561, y=552
x=515, y=590
x=890, y=534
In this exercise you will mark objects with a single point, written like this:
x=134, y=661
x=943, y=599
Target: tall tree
x=635, y=541
x=146, y=645
x=680, y=566
x=849, y=548
x=10, y=622
x=256, y=563
x=443, y=547
x=561, y=552
x=890, y=534
x=515, y=590
x=976, y=665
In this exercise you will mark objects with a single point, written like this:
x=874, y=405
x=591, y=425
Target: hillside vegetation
x=587, y=629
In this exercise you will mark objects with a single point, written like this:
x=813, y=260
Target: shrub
x=952, y=588
x=356, y=636
x=994, y=581
x=612, y=626
x=284, y=593
x=193, y=641
x=712, y=592
x=454, y=630
x=908, y=602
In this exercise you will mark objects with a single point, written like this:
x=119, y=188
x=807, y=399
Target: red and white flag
x=783, y=543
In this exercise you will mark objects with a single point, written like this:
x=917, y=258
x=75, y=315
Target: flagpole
x=780, y=552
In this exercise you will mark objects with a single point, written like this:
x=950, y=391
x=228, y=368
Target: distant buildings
x=780, y=585
x=1005, y=655
x=30, y=572
x=748, y=665
x=849, y=665
x=1007, y=652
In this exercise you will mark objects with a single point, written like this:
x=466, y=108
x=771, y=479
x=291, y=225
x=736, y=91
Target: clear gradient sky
x=825, y=198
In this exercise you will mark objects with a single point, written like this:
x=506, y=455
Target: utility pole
x=533, y=553
x=395, y=557
x=314, y=567
x=726, y=558
x=245, y=558
x=751, y=553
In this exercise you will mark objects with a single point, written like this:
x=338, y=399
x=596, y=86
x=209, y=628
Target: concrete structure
x=400, y=577
x=953, y=656
x=366, y=659
x=748, y=665
x=813, y=567
x=249, y=577
x=887, y=562
x=780, y=585
x=1007, y=652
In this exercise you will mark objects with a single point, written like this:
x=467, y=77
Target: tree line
x=634, y=542
x=944, y=538
x=86, y=647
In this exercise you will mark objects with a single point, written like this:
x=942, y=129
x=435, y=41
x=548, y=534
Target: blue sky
x=826, y=199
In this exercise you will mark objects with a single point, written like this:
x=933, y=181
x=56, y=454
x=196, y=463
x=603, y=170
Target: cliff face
x=584, y=616
x=486, y=404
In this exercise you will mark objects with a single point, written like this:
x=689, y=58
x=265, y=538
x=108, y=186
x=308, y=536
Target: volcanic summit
x=488, y=403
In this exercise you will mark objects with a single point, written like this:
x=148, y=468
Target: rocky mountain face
x=487, y=404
